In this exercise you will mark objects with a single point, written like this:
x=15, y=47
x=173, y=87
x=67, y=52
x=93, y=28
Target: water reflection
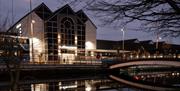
x=149, y=78
x=39, y=87
x=73, y=85
x=125, y=80
x=141, y=85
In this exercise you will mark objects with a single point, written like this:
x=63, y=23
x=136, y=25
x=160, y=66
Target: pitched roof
x=35, y=9
x=43, y=11
x=48, y=14
x=81, y=14
x=64, y=10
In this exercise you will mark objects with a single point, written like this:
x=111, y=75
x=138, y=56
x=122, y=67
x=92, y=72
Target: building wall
x=26, y=26
x=90, y=37
x=64, y=36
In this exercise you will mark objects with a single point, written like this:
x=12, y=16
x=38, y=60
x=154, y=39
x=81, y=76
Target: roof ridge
x=27, y=15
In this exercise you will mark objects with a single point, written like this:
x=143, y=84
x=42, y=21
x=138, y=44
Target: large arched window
x=67, y=32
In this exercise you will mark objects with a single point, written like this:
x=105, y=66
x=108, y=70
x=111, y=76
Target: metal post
x=123, y=42
x=157, y=43
x=32, y=45
x=32, y=29
x=12, y=12
x=157, y=40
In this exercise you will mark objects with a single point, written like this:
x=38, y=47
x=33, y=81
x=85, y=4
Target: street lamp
x=123, y=41
x=157, y=41
x=32, y=33
x=157, y=45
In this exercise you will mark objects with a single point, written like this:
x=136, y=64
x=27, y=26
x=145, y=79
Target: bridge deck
x=166, y=62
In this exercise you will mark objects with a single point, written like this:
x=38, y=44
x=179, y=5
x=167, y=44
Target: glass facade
x=51, y=39
x=56, y=36
x=67, y=31
x=64, y=36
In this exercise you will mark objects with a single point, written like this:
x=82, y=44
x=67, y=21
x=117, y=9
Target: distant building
x=63, y=35
x=13, y=46
x=133, y=48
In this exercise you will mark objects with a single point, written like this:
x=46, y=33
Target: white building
x=61, y=36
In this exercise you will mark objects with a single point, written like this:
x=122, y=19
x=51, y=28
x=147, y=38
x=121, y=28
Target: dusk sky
x=21, y=7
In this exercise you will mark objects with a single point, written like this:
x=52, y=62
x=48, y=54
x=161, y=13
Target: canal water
x=128, y=79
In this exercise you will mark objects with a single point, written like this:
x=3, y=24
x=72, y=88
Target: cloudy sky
x=21, y=7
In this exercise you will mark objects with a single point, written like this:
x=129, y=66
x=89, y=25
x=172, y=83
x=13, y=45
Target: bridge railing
x=155, y=56
x=72, y=62
x=82, y=62
x=118, y=60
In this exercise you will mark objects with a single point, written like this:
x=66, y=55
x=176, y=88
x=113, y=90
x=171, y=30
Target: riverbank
x=43, y=71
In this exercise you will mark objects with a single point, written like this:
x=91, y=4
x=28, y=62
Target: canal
x=137, y=78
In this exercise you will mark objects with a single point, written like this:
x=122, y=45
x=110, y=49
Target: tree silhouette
x=159, y=16
x=10, y=54
x=11, y=57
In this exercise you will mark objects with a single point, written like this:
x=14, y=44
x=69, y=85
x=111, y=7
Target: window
x=67, y=31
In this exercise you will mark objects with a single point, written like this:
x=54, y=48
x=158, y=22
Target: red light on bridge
x=136, y=77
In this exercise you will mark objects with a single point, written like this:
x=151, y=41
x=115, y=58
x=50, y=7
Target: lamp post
x=157, y=44
x=32, y=33
x=123, y=42
x=157, y=40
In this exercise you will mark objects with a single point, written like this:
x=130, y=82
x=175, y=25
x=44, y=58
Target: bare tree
x=3, y=24
x=11, y=58
x=159, y=16
x=10, y=54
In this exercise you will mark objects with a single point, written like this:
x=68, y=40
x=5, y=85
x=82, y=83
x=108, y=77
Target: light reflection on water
x=83, y=85
x=77, y=85
x=102, y=82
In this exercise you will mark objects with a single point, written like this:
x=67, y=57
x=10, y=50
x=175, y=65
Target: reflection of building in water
x=39, y=87
x=77, y=85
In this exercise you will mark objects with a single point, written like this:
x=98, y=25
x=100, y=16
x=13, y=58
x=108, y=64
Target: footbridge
x=143, y=86
x=174, y=62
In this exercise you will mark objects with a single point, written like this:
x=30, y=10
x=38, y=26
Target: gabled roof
x=38, y=7
x=64, y=10
x=81, y=14
x=43, y=15
x=48, y=14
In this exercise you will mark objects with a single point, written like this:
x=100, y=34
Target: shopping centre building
x=57, y=36
x=66, y=36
